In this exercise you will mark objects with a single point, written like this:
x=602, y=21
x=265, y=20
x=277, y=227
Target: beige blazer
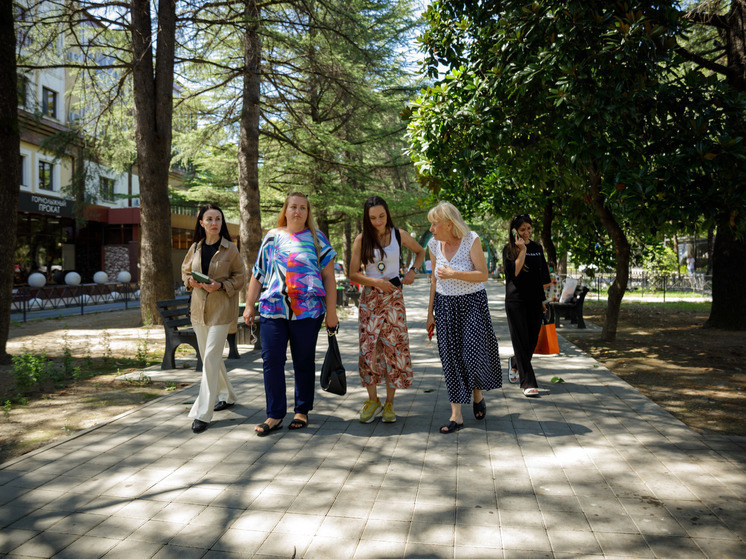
x=218, y=307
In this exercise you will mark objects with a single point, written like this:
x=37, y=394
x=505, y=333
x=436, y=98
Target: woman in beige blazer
x=214, y=308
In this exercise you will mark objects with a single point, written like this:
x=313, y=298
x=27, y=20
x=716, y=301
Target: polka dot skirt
x=467, y=345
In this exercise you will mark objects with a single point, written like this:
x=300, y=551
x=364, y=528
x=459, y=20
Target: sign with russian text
x=49, y=205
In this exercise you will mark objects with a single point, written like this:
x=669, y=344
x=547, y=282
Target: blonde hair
x=282, y=219
x=445, y=211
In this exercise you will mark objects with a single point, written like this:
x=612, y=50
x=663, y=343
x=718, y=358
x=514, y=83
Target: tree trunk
x=735, y=44
x=710, y=249
x=622, y=251
x=10, y=162
x=347, y=246
x=248, y=146
x=728, y=256
x=546, y=232
x=728, y=270
x=153, y=96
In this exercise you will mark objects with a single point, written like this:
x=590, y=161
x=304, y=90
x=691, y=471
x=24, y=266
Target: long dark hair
x=199, y=231
x=515, y=223
x=370, y=237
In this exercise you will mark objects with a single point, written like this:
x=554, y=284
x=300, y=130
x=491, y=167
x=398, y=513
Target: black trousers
x=524, y=322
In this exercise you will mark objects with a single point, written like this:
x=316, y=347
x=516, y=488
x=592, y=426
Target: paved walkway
x=590, y=469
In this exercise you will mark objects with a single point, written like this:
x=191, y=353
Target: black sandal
x=480, y=409
x=451, y=427
x=296, y=424
x=266, y=429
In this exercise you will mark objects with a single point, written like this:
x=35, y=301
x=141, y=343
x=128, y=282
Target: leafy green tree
x=572, y=101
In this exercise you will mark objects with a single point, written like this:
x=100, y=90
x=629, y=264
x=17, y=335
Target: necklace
x=381, y=266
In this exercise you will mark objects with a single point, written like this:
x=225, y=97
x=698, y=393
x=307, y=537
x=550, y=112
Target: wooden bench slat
x=175, y=315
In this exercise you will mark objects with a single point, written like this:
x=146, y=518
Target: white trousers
x=215, y=383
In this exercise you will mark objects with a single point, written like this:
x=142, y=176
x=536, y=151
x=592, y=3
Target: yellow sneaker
x=388, y=413
x=371, y=408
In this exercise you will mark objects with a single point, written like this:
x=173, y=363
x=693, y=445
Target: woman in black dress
x=526, y=276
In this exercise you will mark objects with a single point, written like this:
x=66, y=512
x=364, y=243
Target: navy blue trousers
x=302, y=335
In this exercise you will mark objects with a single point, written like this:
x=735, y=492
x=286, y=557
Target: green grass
x=698, y=306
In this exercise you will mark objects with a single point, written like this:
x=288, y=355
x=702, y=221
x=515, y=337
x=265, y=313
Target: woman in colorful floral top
x=293, y=280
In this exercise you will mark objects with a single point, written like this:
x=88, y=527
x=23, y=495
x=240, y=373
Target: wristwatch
x=413, y=269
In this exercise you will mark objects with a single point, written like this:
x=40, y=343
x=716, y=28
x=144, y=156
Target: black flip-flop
x=451, y=427
x=479, y=408
x=296, y=424
x=266, y=429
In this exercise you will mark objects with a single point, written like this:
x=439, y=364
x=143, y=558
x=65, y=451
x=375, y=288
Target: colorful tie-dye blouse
x=290, y=274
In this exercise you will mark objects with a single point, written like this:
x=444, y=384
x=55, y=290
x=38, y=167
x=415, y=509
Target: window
x=46, y=174
x=22, y=90
x=106, y=189
x=49, y=102
x=23, y=177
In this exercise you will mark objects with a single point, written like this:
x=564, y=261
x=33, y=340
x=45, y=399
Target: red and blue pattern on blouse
x=290, y=274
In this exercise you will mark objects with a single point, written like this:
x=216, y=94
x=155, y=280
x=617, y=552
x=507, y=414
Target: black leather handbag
x=333, y=378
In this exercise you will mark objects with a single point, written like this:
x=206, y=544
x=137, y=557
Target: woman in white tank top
x=384, y=340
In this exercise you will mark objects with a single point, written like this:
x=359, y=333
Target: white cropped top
x=386, y=266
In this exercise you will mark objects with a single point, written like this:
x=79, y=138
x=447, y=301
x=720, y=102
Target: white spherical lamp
x=100, y=277
x=37, y=280
x=72, y=278
x=124, y=276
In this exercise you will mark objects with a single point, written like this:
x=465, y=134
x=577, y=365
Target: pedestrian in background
x=459, y=312
x=293, y=281
x=526, y=277
x=384, y=339
x=213, y=308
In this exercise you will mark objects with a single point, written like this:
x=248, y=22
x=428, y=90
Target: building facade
x=55, y=235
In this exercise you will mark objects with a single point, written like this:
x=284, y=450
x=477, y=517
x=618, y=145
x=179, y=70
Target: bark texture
x=622, y=251
x=728, y=271
x=153, y=96
x=10, y=163
x=729, y=250
x=248, y=146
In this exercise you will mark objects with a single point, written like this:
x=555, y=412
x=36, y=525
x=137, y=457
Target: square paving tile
x=87, y=546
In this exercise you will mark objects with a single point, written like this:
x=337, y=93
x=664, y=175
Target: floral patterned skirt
x=384, y=339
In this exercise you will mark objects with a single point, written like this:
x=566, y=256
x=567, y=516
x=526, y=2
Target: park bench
x=177, y=324
x=572, y=309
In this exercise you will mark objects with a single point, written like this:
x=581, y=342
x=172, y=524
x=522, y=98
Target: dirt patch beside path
x=697, y=374
x=104, y=346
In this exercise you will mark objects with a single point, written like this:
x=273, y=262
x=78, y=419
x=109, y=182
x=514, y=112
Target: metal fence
x=26, y=300
x=652, y=283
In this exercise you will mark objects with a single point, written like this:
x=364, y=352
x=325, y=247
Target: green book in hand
x=200, y=277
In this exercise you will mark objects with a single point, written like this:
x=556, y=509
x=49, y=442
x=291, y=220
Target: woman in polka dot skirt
x=459, y=312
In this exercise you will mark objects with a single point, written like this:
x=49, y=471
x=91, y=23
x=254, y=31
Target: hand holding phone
x=430, y=331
